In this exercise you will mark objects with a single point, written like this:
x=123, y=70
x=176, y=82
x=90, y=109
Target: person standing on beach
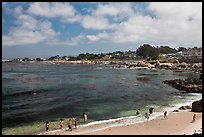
x=70, y=125
x=61, y=123
x=138, y=111
x=47, y=126
x=165, y=114
x=151, y=110
x=194, y=116
x=75, y=123
x=85, y=117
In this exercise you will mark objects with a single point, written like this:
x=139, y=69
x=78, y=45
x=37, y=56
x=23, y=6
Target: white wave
x=129, y=120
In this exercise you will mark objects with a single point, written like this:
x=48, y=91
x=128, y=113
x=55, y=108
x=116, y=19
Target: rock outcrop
x=197, y=106
x=188, y=85
x=185, y=107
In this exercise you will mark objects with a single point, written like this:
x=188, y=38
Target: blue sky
x=42, y=29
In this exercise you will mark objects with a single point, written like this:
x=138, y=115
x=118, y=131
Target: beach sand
x=177, y=123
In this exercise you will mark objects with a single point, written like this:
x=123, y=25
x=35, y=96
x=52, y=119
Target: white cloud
x=26, y=21
x=91, y=22
x=82, y=38
x=29, y=31
x=18, y=10
x=176, y=10
x=98, y=18
x=106, y=10
x=54, y=9
x=93, y=38
x=51, y=9
x=172, y=25
x=175, y=23
x=73, y=41
x=98, y=37
x=113, y=9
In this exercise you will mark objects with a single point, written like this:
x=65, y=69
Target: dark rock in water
x=175, y=110
x=197, y=106
x=144, y=79
x=184, y=107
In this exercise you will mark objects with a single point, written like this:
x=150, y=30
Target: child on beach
x=146, y=116
x=194, y=116
x=47, y=126
x=70, y=125
x=165, y=114
x=61, y=123
x=138, y=111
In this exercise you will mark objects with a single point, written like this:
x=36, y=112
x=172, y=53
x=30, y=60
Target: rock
x=197, y=106
x=182, y=108
x=188, y=107
x=175, y=110
x=198, y=132
x=189, y=85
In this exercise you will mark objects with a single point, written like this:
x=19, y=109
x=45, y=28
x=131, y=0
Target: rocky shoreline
x=189, y=85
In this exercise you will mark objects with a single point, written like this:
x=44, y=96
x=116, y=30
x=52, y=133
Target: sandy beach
x=177, y=123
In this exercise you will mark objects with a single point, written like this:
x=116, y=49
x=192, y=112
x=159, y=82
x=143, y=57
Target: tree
x=166, y=50
x=81, y=56
x=182, y=49
x=39, y=59
x=147, y=51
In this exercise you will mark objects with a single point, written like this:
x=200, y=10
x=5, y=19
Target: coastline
x=89, y=130
x=177, y=123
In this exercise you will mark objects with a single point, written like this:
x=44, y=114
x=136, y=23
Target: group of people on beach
x=147, y=115
x=85, y=117
x=70, y=121
x=70, y=124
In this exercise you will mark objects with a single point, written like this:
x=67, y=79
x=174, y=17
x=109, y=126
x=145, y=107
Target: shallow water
x=39, y=92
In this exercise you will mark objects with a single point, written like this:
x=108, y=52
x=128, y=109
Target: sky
x=44, y=29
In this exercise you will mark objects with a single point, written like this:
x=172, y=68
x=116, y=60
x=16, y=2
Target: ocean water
x=42, y=91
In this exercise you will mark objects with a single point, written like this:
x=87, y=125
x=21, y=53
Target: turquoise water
x=40, y=92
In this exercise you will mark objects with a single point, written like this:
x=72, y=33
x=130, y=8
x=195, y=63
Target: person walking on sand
x=70, y=125
x=75, y=123
x=61, y=123
x=165, y=114
x=47, y=126
x=85, y=117
x=194, y=116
